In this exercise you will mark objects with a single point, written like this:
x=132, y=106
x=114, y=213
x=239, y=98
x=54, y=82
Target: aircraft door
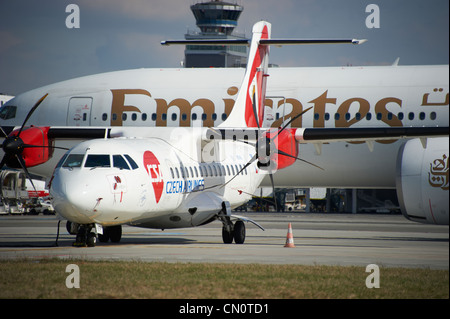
x=79, y=111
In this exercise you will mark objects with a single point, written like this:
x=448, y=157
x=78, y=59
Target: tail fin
x=249, y=106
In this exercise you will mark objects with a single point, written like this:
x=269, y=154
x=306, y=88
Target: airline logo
x=257, y=84
x=153, y=168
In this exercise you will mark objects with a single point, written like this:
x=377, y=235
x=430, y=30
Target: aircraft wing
x=325, y=135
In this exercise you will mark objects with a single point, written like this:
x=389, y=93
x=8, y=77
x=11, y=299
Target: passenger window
x=411, y=116
x=104, y=116
x=400, y=116
x=134, y=117
x=192, y=172
x=144, y=117
x=196, y=172
x=153, y=116
x=178, y=173
x=422, y=116
x=432, y=116
x=368, y=116
x=182, y=172
x=96, y=160
x=210, y=170
x=171, y=172
x=119, y=162
x=131, y=161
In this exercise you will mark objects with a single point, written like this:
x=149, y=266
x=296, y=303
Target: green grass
x=104, y=279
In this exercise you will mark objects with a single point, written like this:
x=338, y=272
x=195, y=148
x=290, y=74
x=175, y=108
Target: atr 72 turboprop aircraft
x=175, y=177
x=369, y=127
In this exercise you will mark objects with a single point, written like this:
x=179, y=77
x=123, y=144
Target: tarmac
x=319, y=239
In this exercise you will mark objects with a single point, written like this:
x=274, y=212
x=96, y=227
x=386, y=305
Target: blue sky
x=36, y=47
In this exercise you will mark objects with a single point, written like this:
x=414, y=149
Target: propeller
x=14, y=145
x=266, y=148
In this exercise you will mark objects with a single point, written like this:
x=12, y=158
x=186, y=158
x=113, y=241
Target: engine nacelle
x=423, y=182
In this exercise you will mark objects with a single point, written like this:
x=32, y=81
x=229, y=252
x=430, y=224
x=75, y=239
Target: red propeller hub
x=32, y=144
x=285, y=143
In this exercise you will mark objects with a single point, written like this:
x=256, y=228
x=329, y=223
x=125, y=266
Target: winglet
x=356, y=41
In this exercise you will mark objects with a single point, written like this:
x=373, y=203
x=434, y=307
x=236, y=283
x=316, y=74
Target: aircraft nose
x=73, y=199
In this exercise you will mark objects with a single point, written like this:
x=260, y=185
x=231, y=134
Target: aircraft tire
x=91, y=240
x=115, y=233
x=239, y=232
x=227, y=236
x=105, y=237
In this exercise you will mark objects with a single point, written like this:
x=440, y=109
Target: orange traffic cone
x=289, y=238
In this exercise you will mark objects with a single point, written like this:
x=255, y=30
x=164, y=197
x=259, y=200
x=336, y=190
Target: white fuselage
x=171, y=184
x=341, y=97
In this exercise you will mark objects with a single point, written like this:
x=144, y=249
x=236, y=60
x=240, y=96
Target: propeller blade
x=31, y=112
x=3, y=162
x=27, y=173
x=243, y=168
x=274, y=194
x=297, y=158
x=4, y=133
x=254, y=109
x=46, y=146
x=290, y=121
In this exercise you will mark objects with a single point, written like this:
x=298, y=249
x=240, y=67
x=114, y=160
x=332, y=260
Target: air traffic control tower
x=216, y=20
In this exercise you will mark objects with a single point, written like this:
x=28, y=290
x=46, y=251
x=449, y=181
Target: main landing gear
x=232, y=231
x=87, y=235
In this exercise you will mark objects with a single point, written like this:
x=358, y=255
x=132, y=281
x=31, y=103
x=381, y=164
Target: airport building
x=216, y=20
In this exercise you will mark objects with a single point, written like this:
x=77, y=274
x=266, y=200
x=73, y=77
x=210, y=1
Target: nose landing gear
x=88, y=235
x=85, y=237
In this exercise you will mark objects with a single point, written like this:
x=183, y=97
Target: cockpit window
x=97, y=160
x=119, y=162
x=73, y=160
x=131, y=161
x=8, y=112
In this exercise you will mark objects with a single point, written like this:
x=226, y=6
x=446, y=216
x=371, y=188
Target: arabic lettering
x=425, y=101
x=438, y=174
